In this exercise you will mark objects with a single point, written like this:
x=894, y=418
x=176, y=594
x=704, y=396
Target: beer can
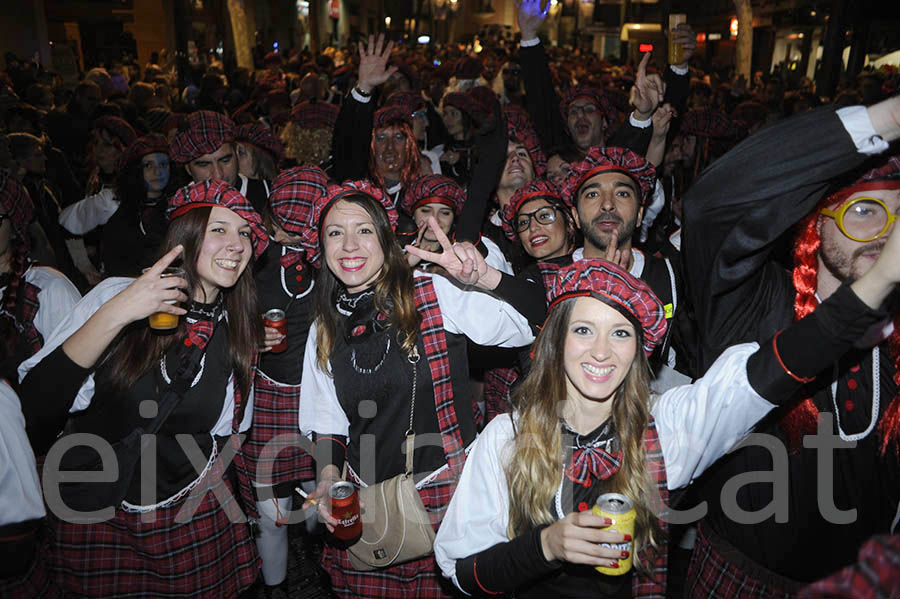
x=620, y=510
x=345, y=507
x=275, y=319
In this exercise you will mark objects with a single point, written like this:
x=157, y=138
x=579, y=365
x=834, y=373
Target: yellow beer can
x=620, y=510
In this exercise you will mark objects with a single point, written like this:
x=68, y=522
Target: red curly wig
x=410, y=171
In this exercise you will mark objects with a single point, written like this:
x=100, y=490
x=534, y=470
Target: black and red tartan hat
x=16, y=205
x=293, y=197
x=409, y=102
x=122, y=133
x=596, y=96
x=312, y=216
x=261, y=137
x=536, y=189
x=603, y=280
x=148, y=144
x=204, y=132
x=886, y=175
x=433, y=189
x=391, y=115
x=520, y=129
x=315, y=115
x=610, y=160
x=218, y=193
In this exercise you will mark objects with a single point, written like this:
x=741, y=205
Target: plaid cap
x=294, y=194
x=122, y=133
x=600, y=279
x=465, y=103
x=391, y=115
x=598, y=97
x=602, y=160
x=709, y=122
x=148, y=144
x=312, y=215
x=520, y=129
x=205, y=132
x=16, y=204
x=467, y=68
x=315, y=115
x=433, y=189
x=884, y=176
x=533, y=190
x=408, y=102
x=218, y=193
x=258, y=135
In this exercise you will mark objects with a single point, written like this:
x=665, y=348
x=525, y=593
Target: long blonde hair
x=534, y=469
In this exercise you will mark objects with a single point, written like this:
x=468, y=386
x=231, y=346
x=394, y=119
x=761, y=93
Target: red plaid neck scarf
x=201, y=322
x=593, y=458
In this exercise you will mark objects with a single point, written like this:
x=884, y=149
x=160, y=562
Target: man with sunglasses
x=836, y=486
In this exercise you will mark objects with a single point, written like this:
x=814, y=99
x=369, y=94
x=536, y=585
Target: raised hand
x=373, y=68
x=461, y=260
x=647, y=91
x=530, y=16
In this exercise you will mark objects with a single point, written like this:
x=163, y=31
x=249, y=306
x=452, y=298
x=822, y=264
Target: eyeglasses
x=587, y=110
x=863, y=219
x=545, y=216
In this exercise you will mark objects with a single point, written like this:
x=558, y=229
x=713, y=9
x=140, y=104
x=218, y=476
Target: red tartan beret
x=465, y=103
x=520, y=129
x=408, y=102
x=600, y=279
x=313, y=215
x=204, y=133
x=601, y=160
x=149, y=144
x=598, y=97
x=315, y=115
x=260, y=136
x=433, y=189
x=293, y=196
x=391, y=115
x=122, y=132
x=709, y=122
x=218, y=193
x=884, y=176
x=467, y=68
x=16, y=205
x=533, y=190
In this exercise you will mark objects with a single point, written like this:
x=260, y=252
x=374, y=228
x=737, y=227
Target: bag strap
x=413, y=358
x=174, y=391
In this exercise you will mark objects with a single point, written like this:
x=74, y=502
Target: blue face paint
x=156, y=171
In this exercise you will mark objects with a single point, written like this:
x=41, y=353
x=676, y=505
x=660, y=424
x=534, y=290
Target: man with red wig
x=828, y=477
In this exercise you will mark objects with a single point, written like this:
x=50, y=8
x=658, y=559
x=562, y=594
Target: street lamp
x=387, y=21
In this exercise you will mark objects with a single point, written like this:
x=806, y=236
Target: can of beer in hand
x=620, y=510
x=275, y=319
x=345, y=507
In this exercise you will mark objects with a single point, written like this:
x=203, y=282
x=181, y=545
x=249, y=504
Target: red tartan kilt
x=275, y=414
x=719, y=570
x=419, y=578
x=208, y=556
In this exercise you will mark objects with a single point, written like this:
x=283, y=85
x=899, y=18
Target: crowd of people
x=513, y=281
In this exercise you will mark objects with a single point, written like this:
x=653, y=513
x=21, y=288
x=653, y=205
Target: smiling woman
x=105, y=366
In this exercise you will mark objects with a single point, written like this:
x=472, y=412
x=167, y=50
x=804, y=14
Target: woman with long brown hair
x=386, y=354
x=586, y=425
x=105, y=373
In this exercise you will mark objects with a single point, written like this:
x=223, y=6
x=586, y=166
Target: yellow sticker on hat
x=670, y=311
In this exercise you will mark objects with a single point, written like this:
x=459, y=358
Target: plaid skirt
x=497, y=385
x=720, y=570
x=419, y=578
x=207, y=556
x=275, y=423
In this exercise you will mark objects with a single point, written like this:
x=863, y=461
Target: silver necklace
x=375, y=368
x=876, y=399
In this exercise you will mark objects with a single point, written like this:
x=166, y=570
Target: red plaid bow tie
x=199, y=333
x=291, y=258
x=587, y=461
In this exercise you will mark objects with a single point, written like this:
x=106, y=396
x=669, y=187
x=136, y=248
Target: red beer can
x=275, y=319
x=345, y=507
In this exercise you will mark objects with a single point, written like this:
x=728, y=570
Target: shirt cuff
x=858, y=124
x=359, y=97
x=529, y=43
x=639, y=124
x=679, y=70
